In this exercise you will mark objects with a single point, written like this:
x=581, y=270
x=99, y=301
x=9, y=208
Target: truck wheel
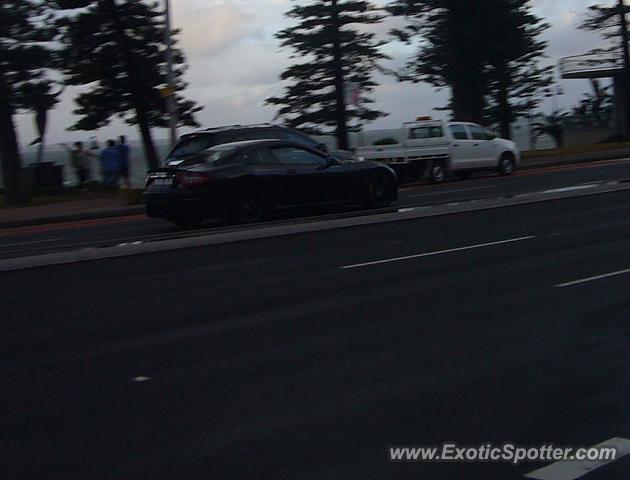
x=438, y=173
x=506, y=164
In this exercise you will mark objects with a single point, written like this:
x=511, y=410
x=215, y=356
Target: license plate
x=163, y=182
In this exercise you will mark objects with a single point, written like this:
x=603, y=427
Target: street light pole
x=170, y=76
x=625, y=48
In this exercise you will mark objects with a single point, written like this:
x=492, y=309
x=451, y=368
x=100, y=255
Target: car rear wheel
x=377, y=195
x=506, y=165
x=248, y=204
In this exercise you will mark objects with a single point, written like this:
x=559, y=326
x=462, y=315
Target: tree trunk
x=560, y=139
x=477, y=94
x=41, y=122
x=505, y=110
x=139, y=94
x=9, y=150
x=462, y=108
x=340, y=110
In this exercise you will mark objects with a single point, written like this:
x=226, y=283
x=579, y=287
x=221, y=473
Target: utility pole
x=625, y=48
x=171, y=106
x=340, y=97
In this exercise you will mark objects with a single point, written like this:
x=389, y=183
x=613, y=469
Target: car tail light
x=191, y=180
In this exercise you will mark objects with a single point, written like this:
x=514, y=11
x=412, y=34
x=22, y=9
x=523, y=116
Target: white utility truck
x=434, y=149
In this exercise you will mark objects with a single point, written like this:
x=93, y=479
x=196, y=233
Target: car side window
x=297, y=156
x=478, y=133
x=459, y=132
x=301, y=139
x=419, y=133
x=261, y=156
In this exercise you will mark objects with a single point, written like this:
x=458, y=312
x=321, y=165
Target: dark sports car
x=242, y=181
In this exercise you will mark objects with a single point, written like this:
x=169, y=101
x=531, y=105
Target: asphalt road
x=307, y=356
x=32, y=240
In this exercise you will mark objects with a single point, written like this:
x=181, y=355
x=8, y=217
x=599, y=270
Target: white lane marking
x=570, y=470
x=440, y=252
x=34, y=242
x=593, y=279
x=140, y=379
x=452, y=191
x=570, y=189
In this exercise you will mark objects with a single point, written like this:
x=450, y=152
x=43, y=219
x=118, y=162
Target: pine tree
x=332, y=50
x=24, y=58
x=451, y=40
x=486, y=52
x=517, y=82
x=118, y=49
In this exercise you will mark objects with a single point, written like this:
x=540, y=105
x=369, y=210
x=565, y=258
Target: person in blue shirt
x=110, y=165
x=124, y=150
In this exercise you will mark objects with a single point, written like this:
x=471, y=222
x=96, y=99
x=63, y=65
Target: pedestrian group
x=114, y=163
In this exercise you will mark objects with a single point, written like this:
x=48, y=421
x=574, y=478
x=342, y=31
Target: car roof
x=258, y=143
x=227, y=128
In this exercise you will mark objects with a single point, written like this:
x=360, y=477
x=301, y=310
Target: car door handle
x=456, y=145
x=475, y=145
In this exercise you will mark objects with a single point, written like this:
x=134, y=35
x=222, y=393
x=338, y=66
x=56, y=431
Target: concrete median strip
x=273, y=231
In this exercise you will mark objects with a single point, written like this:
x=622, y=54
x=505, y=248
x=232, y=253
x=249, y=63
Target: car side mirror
x=322, y=147
x=330, y=161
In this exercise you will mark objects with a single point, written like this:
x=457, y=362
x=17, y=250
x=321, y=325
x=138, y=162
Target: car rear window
x=197, y=143
x=192, y=144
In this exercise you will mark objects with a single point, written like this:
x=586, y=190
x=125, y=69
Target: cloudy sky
x=235, y=63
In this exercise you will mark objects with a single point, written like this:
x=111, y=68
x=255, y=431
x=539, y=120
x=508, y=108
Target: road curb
x=74, y=217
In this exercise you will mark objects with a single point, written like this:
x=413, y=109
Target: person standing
x=124, y=151
x=80, y=160
x=110, y=165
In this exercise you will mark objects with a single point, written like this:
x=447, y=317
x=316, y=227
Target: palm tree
x=553, y=126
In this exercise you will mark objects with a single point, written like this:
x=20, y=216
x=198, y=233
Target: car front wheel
x=506, y=165
x=377, y=195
